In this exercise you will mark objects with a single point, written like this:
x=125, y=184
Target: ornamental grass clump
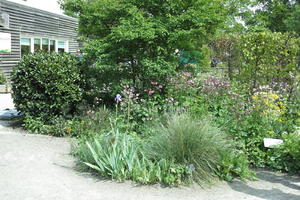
x=196, y=144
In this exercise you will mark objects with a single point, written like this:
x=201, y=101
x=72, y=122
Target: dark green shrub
x=46, y=85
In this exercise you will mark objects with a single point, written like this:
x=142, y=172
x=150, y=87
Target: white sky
x=48, y=5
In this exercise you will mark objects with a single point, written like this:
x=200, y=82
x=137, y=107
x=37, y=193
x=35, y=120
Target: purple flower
x=150, y=92
x=118, y=98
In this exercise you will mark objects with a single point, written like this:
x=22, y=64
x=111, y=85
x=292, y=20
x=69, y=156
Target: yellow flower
x=255, y=98
x=273, y=96
x=271, y=132
x=69, y=129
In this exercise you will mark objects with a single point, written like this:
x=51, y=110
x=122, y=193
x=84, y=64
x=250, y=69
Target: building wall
x=27, y=21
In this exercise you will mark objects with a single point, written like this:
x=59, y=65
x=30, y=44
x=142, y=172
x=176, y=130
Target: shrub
x=46, y=85
x=119, y=156
x=290, y=152
x=268, y=58
x=234, y=163
x=194, y=143
x=90, y=124
x=87, y=125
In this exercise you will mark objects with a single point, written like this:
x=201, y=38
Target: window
x=61, y=46
x=37, y=45
x=45, y=45
x=52, y=45
x=25, y=46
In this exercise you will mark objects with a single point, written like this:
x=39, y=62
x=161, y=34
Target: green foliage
x=120, y=157
x=87, y=125
x=268, y=57
x=46, y=85
x=293, y=22
x=138, y=38
x=2, y=78
x=276, y=15
x=290, y=152
x=197, y=144
x=235, y=164
x=225, y=48
x=36, y=125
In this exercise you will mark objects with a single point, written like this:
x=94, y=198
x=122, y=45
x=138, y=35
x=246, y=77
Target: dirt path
x=40, y=168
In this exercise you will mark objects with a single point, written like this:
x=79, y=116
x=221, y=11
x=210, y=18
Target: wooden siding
x=24, y=20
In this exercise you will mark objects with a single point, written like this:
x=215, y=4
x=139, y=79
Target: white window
x=52, y=45
x=25, y=46
x=61, y=46
x=45, y=45
x=36, y=44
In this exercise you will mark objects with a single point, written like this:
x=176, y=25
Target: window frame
x=40, y=38
x=30, y=44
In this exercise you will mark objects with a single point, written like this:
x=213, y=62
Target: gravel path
x=35, y=167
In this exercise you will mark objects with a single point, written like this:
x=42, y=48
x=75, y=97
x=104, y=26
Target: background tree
x=275, y=15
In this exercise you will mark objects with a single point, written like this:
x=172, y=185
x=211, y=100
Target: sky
x=47, y=5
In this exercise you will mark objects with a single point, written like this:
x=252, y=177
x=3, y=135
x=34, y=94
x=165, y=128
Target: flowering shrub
x=269, y=104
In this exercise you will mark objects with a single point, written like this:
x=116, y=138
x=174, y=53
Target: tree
x=276, y=15
x=293, y=22
x=138, y=38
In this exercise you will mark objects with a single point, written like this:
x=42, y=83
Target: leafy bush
x=194, y=143
x=119, y=156
x=234, y=164
x=46, y=85
x=87, y=125
x=2, y=78
x=267, y=58
x=90, y=124
x=290, y=152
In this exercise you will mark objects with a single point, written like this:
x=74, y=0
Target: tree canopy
x=143, y=35
x=276, y=15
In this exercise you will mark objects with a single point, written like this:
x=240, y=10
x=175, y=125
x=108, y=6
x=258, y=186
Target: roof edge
x=39, y=10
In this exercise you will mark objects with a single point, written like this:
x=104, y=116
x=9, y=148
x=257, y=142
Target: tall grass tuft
x=193, y=143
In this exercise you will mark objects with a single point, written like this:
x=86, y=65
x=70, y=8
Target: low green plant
x=36, y=125
x=290, y=152
x=234, y=164
x=194, y=143
x=120, y=157
x=58, y=127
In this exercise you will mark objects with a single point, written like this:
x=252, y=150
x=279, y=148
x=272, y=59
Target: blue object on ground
x=8, y=114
